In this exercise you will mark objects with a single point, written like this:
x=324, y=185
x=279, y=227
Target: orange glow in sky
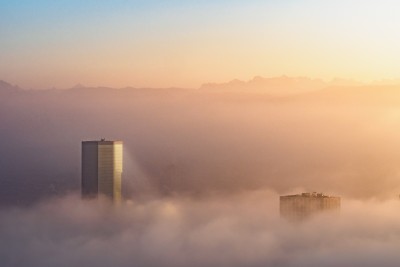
x=158, y=44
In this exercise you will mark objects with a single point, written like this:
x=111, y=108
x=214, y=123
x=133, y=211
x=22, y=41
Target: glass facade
x=102, y=169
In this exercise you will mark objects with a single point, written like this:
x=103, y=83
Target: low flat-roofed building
x=302, y=206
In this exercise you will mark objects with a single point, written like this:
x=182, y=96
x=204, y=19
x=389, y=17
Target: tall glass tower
x=102, y=169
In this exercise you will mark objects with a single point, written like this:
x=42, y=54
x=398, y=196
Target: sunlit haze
x=199, y=133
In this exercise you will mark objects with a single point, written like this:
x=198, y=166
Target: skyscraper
x=302, y=206
x=102, y=169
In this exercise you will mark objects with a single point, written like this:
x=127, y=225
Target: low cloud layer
x=203, y=171
x=237, y=230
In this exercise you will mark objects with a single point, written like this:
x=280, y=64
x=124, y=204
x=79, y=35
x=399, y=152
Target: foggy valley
x=203, y=171
x=340, y=140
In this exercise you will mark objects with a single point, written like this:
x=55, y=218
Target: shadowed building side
x=89, y=169
x=102, y=169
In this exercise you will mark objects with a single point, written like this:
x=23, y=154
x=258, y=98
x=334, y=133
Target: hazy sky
x=118, y=43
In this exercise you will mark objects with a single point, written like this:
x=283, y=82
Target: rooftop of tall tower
x=102, y=141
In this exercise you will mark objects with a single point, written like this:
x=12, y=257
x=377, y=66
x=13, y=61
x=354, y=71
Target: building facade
x=302, y=206
x=102, y=169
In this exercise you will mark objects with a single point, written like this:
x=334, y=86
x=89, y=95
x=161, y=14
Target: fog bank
x=236, y=230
